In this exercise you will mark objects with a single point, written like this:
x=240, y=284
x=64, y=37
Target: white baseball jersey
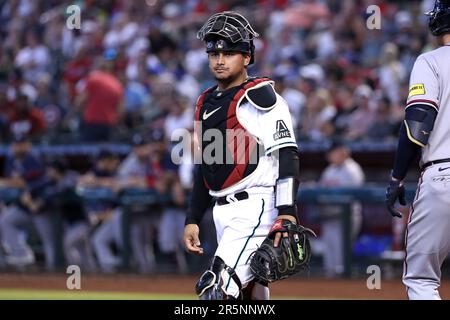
x=242, y=225
x=273, y=130
x=349, y=174
x=429, y=86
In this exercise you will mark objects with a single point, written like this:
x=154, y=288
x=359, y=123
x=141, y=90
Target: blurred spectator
x=321, y=42
x=163, y=176
x=76, y=69
x=316, y=120
x=342, y=171
x=19, y=86
x=51, y=107
x=195, y=60
x=132, y=173
x=160, y=42
x=363, y=115
x=180, y=116
x=304, y=14
x=342, y=120
x=123, y=31
x=6, y=110
x=26, y=170
x=383, y=127
x=101, y=100
x=105, y=217
x=63, y=199
x=295, y=99
x=34, y=58
x=391, y=72
x=137, y=64
x=26, y=119
x=137, y=97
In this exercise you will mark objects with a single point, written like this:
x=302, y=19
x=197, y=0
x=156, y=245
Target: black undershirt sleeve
x=200, y=198
x=407, y=151
x=289, y=166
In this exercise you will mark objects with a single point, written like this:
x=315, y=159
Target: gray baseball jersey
x=429, y=86
x=427, y=237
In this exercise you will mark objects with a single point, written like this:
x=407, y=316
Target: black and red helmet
x=228, y=31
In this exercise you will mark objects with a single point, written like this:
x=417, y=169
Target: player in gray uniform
x=426, y=128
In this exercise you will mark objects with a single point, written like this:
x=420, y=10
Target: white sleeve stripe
x=284, y=144
x=423, y=101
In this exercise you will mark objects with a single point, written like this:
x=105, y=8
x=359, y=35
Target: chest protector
x=229, y=152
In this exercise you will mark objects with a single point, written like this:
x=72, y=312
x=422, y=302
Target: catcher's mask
x=228, y=31
x=439, y=18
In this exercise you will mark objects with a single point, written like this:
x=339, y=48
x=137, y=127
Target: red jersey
x=104, y=93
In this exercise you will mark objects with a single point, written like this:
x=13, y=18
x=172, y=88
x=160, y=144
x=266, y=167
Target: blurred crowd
x=82, y=211
x=132, y=73
x=137, y=64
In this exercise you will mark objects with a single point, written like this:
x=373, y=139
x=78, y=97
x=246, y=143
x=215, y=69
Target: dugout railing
x=345, y=197
x=132, y=199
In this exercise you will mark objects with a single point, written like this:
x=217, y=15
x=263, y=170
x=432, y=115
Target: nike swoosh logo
x=442, y=169
x=206, y=115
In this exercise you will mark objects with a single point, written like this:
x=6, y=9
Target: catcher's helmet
x=439, y=22
x=228, y=31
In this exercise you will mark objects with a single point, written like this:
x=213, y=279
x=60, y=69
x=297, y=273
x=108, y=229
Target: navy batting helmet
x=228, y=31
x=439, y=22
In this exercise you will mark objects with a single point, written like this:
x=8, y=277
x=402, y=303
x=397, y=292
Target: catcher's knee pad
x=211, y=284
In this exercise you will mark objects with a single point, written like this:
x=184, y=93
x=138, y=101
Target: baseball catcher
x=254, y=186
x=292, y=254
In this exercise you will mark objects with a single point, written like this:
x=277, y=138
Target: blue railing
x=122, y=148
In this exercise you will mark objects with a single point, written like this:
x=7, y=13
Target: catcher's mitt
x=269, y=264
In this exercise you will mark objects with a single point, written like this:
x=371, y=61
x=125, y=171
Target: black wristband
x=190, y=220
x=290, y=211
